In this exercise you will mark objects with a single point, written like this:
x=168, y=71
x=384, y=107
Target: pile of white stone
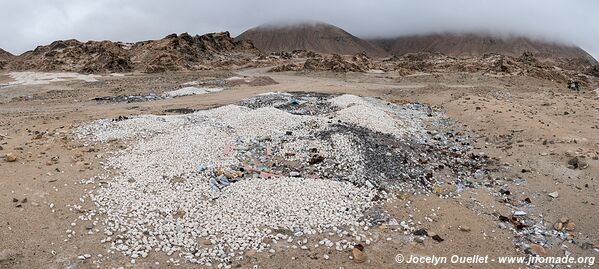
x=160, y=202
x=186, y=91
x=39, y=78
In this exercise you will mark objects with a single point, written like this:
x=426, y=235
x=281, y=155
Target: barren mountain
x=318, y=37
x=182, y=52
x=471, y=44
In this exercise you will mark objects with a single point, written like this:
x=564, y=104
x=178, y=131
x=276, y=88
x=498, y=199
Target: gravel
x=339, y=159
x=191, y=91
x=38, y=78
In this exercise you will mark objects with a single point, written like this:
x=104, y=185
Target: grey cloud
x=26, y=24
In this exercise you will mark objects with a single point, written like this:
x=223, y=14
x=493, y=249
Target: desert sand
x=531, y=128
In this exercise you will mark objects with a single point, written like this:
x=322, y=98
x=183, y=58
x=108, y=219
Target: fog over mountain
x=26, y=24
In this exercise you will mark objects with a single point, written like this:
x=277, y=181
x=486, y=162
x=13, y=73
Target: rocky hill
x=76, y=56
x=317, y=37
x=174, y=52
x=185, y=52
x=220, y=51
x=477, y=45
x=5, y=57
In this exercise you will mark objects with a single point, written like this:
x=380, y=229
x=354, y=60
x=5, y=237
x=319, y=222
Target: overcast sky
x=24, y=24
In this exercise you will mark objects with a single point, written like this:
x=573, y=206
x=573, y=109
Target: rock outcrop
x=172, y=53
x=5, y=58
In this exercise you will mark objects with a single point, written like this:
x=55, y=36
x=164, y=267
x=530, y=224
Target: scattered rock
x=587, y=245
x=420, y=232
x=334, y=63
x=558, y=226
x=464, y=228
x=10, y=157
x=538, y=250
x=286, y=67
x=577, y=163
x=437, y=238
x=553, y=194
x=564, y=224
x=7, y=255
x=316, y=159
x=358, y=255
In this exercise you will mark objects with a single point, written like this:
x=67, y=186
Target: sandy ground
x=531, y=126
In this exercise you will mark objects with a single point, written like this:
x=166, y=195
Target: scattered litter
x=519, y=213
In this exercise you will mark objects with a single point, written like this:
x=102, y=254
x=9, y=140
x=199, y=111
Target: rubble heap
x=276, y=166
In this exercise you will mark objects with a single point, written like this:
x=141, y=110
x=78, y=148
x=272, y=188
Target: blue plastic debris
x=201, y=168
x=294, y=101
x=218, y=183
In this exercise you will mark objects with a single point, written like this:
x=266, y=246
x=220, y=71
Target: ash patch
x=391, y=163
x=127, y=98
x=183, y=110
x=297, y=103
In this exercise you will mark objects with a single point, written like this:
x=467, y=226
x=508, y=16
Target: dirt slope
x=471, y=44
x=318, y=37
